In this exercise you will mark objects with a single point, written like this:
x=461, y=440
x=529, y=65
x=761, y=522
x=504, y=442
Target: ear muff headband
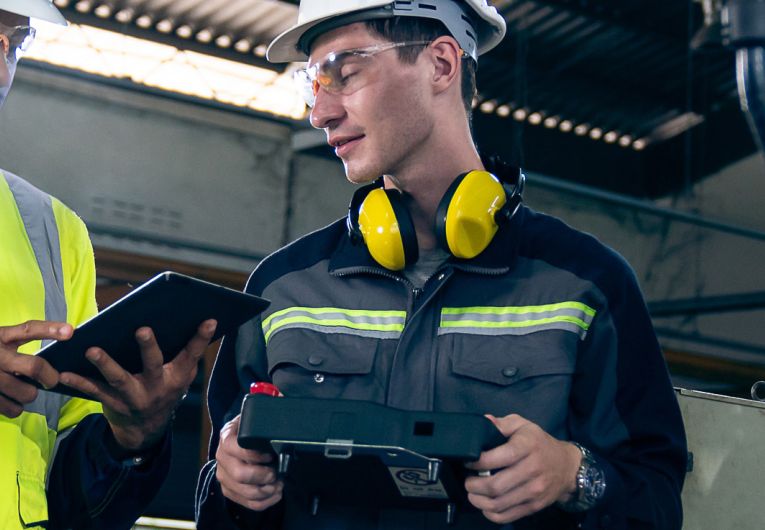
x=378, y=217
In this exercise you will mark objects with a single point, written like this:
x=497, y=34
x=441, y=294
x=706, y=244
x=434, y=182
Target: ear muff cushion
x=387, y=229
x=465, y=222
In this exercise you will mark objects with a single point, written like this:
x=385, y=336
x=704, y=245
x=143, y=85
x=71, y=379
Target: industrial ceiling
x=608, y=94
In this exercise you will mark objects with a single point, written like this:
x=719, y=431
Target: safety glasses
x=343, y=72
x=15, y=40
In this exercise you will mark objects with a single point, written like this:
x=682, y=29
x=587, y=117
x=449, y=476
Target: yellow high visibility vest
x=47, y=272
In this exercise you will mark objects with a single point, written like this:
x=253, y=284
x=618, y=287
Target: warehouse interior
x=163, y=126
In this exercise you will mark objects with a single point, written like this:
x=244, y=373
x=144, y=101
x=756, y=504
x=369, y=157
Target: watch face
x=594, y=483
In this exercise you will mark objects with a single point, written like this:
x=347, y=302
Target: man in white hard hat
x=441, y=292
x=65, y=464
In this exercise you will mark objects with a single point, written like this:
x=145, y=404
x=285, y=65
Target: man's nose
x=327, y=108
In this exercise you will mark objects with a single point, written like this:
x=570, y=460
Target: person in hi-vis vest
x=69, y=462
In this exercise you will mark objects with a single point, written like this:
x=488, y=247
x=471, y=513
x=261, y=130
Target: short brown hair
x=399, y=29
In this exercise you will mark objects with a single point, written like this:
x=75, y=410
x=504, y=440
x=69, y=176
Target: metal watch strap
x=590, y=483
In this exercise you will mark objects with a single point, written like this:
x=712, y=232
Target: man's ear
x=447, y=61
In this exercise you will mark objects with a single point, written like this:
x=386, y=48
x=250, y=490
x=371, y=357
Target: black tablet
x=172, y=304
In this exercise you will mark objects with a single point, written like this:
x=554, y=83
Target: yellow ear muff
x=465, y=218
x=387, y=229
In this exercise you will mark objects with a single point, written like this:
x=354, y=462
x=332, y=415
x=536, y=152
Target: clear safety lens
x=18, y=38
x=342, y=72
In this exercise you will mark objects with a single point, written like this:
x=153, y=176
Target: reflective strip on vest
x=359, y=322
x=522, y=320
x=36, y=212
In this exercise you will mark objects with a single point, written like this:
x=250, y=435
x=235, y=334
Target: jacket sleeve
x=241, y=360
x=623, y=408
x=90, y=488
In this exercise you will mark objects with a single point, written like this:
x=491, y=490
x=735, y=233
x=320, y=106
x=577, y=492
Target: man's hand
x=15, y=392
x=139, y=407
x=244, y=475
x=532, y=470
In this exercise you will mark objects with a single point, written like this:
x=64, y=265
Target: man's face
x=378, y=127
x=8, y=63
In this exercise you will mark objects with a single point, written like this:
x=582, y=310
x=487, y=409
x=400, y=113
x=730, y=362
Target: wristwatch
x=590, y=483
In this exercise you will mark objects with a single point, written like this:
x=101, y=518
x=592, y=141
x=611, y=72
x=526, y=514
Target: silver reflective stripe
x=48, y=404
x=571, y=316
x=36, y=210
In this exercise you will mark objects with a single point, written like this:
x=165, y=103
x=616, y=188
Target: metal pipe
x=643, y=206
x=710, y=341
x=750, y=74
x=136, y=235
x=746, y=20
x=707, y=304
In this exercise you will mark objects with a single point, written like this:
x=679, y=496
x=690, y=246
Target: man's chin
x=358, y=175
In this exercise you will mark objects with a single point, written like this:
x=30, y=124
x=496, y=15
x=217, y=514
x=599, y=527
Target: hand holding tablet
x=171, y=304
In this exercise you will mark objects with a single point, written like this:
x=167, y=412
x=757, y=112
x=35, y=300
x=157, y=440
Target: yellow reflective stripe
x=333, y=317
x=510, y=324
x=325, y=310
x=517, y=310
x=517, y=320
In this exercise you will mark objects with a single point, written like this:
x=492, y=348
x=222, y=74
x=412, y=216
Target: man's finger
x=151, y=355
x=31, y=330
x=16, y=389
x=33, y=367
x=95, y=390
x=10, y=408
x=115, y=375
x=190, y=355
x=508, y=425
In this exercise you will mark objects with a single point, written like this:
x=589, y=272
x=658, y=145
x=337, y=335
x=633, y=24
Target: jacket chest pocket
x=303, y=363
x=528, y=375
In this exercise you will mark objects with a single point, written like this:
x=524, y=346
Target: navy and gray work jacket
x=547, y=323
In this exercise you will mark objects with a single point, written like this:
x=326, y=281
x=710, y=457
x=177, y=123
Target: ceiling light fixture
x=503, y=111
x=83, y=6
x=165, y=26
x=488, y=107
x=520, y=114
x=243, y=46
x=103, y=11
x=625, y=141
x=184, y=31
x=551, y=122
x=124, y=15
x=205, y=36
x=260, y=51
x=581, y=129
x=610, y=137
x=223, y=41
x=596, y=133
x=535, y=118
x=566, y=126
x=144, y=21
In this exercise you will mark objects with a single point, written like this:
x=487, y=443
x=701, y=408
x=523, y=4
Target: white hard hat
x=479, y=32
x=40, y=9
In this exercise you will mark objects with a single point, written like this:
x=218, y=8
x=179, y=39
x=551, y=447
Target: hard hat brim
x=40, y=9
x=284, y=48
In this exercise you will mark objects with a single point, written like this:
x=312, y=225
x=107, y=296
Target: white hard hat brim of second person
x=39, y=9
x=484, y=31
